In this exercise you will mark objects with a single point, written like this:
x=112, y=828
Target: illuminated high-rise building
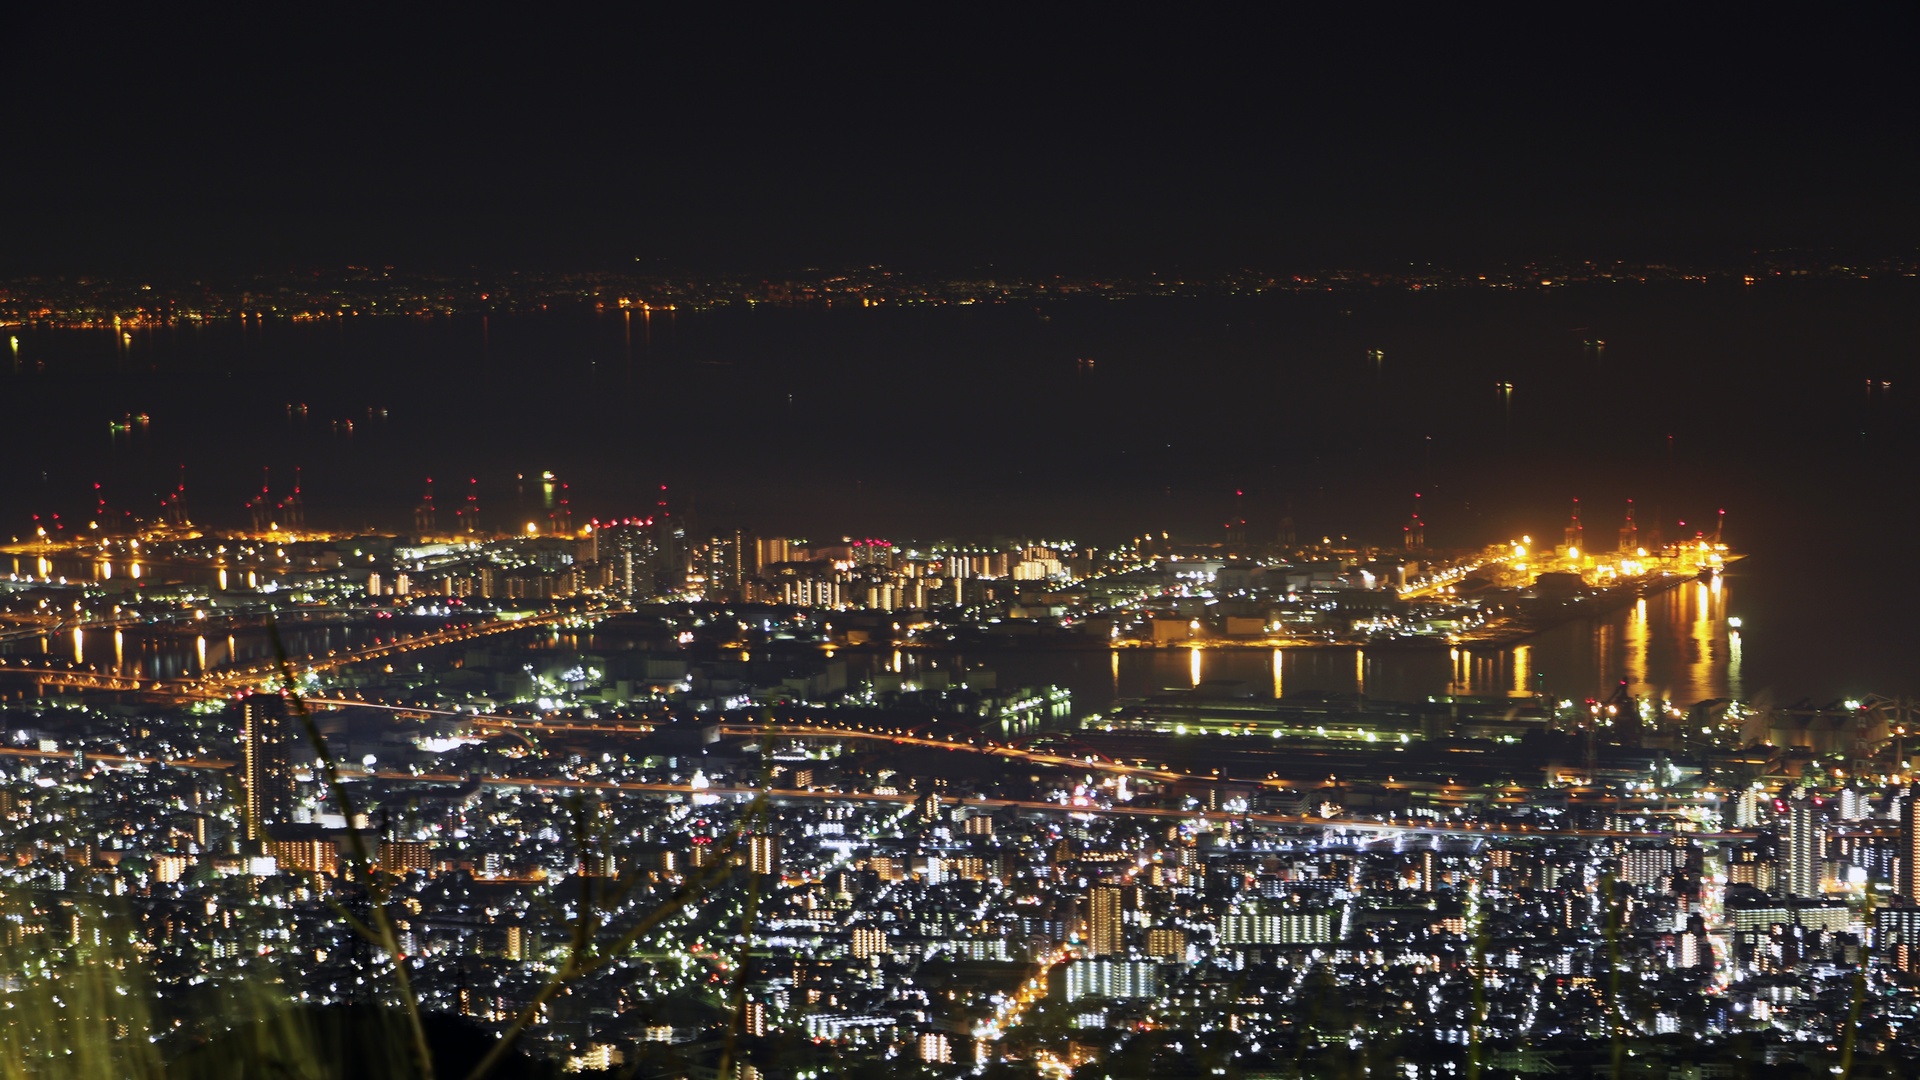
x=771, y=549
x=1166, y=943
x=628, y=548
x=403, y=857
x=266, y=762
x=731, y=560
x=868, y=941
x=1802, y=847
x=1907, y=869
x=1113, y=979
x=763, y=854
x=669, y=551
x=935, y=1049
x=599, y=864
x=1105, y=910
x=1896, y=937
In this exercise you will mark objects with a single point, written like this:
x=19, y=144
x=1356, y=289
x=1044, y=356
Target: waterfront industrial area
x=782, y=788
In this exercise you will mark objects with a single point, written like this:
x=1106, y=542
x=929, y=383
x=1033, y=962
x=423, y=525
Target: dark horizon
x=1194, y=276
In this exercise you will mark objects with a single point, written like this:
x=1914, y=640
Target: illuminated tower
x=1802, y=847
x=669, y=568
x=1416, y=529
x=423, y=516
x=259, y=505
x=1629, y=533
x=1104, y=910
x=731, y=560
x=293, y=508
x=1576, y=538
x=176, y=503
x=470, y=514
x=266, y=762
x=738, y=553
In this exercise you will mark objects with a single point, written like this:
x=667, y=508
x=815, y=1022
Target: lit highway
x=1298, y=821
x=236, y=678
x=52, y=673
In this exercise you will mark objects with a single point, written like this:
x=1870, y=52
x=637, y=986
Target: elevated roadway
x=801, y=796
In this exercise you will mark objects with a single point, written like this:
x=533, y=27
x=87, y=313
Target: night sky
x=153, y=140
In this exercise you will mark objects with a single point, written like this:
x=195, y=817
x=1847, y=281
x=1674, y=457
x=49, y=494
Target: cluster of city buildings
x=880, y=897
x=798, y=833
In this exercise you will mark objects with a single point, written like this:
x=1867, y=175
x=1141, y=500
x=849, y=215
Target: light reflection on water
x=76, y=569
x=1674, y=645
x=159, y=652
